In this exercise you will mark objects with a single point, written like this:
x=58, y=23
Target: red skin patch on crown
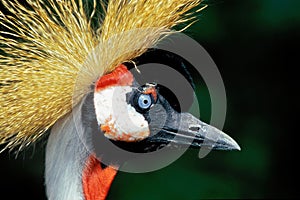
x=121, y=76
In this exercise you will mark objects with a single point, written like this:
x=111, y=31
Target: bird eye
x=144, y=101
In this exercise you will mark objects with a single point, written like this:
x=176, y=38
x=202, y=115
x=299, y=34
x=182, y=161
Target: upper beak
x=188, y=130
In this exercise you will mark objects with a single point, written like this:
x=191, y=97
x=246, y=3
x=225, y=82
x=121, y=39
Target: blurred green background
x=255, y=44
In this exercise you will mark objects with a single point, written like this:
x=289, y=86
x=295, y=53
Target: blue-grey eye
x=144, y=101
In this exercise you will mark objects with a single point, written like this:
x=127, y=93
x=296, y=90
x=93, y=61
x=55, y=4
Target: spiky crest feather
x=46, y=47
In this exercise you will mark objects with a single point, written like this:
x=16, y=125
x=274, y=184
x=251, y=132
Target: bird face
x=117, y=117
x=140, y=118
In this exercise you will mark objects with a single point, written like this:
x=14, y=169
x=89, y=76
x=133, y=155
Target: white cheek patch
x=118, y=119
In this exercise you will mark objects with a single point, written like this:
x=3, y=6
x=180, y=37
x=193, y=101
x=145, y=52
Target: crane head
x=143, y=117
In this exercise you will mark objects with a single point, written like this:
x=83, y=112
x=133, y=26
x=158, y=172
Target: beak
x=188, y=130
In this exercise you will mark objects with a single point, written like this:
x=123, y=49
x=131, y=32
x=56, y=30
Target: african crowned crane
x=59, y=69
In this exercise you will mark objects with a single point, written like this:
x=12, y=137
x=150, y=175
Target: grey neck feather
x=66, y=155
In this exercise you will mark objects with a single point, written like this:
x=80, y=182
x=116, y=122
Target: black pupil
x=145, y=101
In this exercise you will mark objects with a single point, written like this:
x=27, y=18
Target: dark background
x=255, y=44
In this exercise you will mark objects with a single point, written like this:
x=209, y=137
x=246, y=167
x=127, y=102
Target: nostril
x=194, y=128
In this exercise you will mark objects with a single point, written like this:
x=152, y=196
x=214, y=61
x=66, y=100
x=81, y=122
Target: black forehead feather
x=167, y=58
x=174, y=61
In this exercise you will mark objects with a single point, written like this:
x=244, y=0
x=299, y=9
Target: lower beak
x=191, y=131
